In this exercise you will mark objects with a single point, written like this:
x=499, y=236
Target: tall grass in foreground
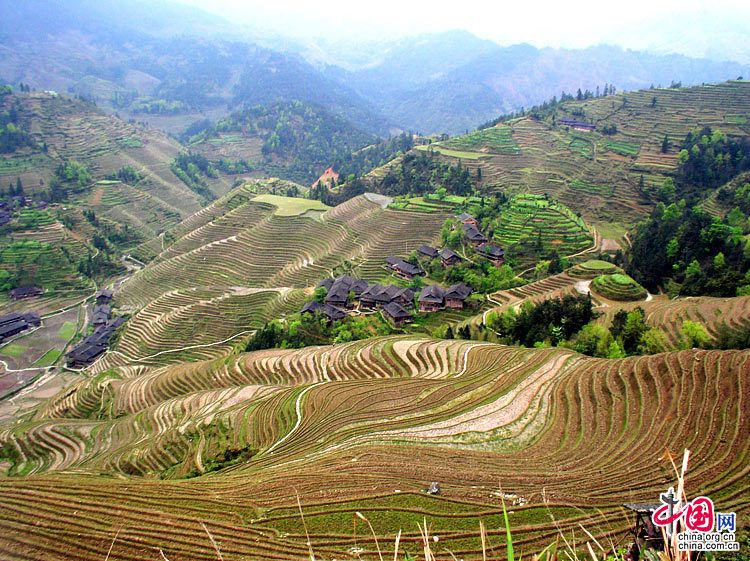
x=570, y=550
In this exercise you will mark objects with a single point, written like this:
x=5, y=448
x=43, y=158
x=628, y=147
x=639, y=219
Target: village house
x=24, y=292
x=474, y=236
x=15, y=323
x=404, y=269
x=427, y=252
x=467, y=219
x=329, y=178
x=396, y=314
x=332, y=313
x=449, y=257
x=493, y=253
x=431, y=299
x=578, y=125
x=104, y=296
x=338, y=294
x=102, y=313
x=93, y=346
x=456, y=295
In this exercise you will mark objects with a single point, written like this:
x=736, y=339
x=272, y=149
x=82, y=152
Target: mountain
x=114, y=55
x=485, y=79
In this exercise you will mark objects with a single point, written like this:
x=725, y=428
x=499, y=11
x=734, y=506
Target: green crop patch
x=496, y=140
x=618, y=286
x=463, y=155
x=49, y=358
x=537, y=221
x=623, y=148
x=290, y=206
x=67, y=331
x=13, y=349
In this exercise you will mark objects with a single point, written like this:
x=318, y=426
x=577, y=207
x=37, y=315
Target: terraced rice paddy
x=494, y=140
x=551, y=159
x=364, y=427
x=619, y=287
x=533, y=219
x=593, y=268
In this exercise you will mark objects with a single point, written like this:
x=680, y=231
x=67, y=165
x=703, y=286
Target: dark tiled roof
x=25, y=291
x=310, y=307
x=473, y=234
x=404, y=266
x=465, y=216
x=326, y=283
x=405, y=294
x=447, y=253
x=13, y=327
x=432, y=293
x=430, y=252
x=458, y=292
x=333, y=313
x=491, y=250
x=10, y=318
x=396, y=311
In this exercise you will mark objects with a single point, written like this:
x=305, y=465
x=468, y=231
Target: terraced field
x=619, y=287
x=364, y=427
x=530, y=220
x=249, y=245
x=607, y=169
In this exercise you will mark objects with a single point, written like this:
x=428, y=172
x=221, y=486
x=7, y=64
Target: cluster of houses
x=93, y=346
x=346, y=293
x=15, y=323
x=447, y=256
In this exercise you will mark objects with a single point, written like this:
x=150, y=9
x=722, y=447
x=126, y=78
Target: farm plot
x=494, y=140
x=618, y=286
x=535, y=219
x=395, y=412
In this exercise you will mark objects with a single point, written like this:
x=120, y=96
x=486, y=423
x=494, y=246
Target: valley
x=260, y=299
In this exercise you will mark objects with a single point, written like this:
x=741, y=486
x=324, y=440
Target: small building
x=396, y=314
x=311, y=307
x=23, y=292
x=338, y=294
x=456, y=295
x=428, y=252
x=493, y=253
x=104, y=296
x=473, y=235
x=467, y=219
x=404, y=269
x=449, y=257
x=378, y=295
x=326, y=283
x=102, y=313
x=84, y=354
x=431, y=299
x=405, y=297
x=12, y=328
x=333, y=313
x=578, y=125
x=329, y=178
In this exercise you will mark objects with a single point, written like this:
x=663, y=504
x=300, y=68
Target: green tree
x=694, y=335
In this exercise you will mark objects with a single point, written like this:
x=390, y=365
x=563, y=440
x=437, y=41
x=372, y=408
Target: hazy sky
x=542, y=23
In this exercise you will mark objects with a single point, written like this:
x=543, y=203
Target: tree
x=665, y=144
x=694, y=335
